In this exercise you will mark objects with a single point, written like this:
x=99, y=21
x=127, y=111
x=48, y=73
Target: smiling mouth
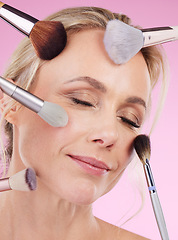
x=90, y=165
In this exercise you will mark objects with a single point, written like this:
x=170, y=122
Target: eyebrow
x=101, y=87
x=136, y=100
x=93, y=82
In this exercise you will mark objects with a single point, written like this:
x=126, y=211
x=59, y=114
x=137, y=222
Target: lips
x=90, y=165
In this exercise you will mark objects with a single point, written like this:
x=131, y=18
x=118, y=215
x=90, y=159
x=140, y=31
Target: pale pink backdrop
x=165, y=137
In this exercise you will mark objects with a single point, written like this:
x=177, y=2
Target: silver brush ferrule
x=22, y=96
x=149, y=177
x=159, y=35
x=21, y=21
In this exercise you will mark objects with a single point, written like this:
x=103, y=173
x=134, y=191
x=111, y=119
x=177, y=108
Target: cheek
x=79, y=124
x=38, y=142
x=123, y=156
x=35, y=138
x=32, y=142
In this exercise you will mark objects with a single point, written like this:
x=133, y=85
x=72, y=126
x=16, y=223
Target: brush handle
x=20, y=20
x=159, y=216
x=4, y=184
x=22, y=96
x=153, y=36
x=155, y=201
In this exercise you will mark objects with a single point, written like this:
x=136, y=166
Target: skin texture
x=99, y=97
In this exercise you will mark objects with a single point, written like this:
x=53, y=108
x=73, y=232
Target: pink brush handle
x=4, y=184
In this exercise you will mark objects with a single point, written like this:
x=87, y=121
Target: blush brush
x=123, y=41
x=24, y=180
x=52, y=113
x=143, y=149
x=47, y=37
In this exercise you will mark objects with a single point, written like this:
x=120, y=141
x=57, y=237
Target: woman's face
x=106, y=105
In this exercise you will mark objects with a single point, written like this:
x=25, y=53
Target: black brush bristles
x=142, y=147
x=48, y=38
x=30, y=178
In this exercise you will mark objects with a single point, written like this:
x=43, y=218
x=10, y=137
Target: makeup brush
x=52, y=113
x=143, y=149
x=24, y=180
x=123, y=41
x=48, y=37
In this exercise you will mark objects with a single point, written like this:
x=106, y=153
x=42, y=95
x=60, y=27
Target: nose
x=104, y=133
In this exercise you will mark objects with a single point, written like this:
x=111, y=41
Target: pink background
x=164, y=159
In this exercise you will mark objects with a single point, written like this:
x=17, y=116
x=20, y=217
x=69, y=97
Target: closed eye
x=130, y=122
x=81, y=102
x=130, y=118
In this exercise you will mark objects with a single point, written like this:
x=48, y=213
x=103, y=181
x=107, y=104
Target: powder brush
x=143, y=148
x=123, y=41
x=24, y=180
x=52, y=113
x=47, y=37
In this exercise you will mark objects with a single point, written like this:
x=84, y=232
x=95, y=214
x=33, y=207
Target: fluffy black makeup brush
x=143, y=148
x=48, y=37
x=24, y=180
x=123, y=41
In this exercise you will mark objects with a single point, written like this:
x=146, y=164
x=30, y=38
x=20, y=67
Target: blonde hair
x=25, y=64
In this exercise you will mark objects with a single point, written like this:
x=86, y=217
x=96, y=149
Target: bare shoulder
x=117, y=233
x=124, y=234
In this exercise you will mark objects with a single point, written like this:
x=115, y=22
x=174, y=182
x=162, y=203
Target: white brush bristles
x=122, y=41
x=53, y=114
x=24, y=180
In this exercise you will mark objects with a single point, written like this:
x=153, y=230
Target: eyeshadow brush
x=123, y=41
x=47, y=37
x=52, y=113
x=24, y=180
x=143, y=149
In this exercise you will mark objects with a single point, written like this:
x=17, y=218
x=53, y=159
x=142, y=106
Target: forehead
x=85, y=55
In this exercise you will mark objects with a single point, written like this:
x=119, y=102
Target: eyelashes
x=126, y=117
x=130, y=122
x=81, y=102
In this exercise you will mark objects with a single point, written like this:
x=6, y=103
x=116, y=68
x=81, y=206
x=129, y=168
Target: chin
x=77, y=189
x=84, y=193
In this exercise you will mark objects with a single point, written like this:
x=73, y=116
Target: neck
x=41, y=215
